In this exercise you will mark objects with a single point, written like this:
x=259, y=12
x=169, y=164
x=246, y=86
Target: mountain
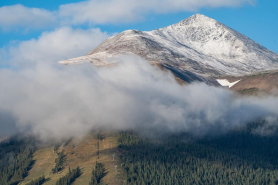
x=198, y=44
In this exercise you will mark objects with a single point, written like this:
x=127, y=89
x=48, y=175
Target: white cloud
x=55, y=101
x=118, y=11
x=60, y=44
x=19, y=16
x=102, y=12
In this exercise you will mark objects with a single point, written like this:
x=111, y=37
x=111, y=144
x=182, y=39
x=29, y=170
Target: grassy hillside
x=82, y=153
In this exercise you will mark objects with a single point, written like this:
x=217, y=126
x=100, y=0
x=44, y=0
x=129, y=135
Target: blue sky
x=255, y=19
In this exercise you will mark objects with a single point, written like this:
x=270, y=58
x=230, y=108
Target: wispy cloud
x=21, y=17
x=102, y=12
x=60, y=44
x=121, y=11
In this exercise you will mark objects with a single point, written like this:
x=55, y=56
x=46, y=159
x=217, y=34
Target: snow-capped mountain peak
x=195, y=19
x=198, y=44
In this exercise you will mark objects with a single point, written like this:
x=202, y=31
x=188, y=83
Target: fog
x=53, y=101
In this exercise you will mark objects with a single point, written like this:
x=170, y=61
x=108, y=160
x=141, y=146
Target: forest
x=15, y=160
x=97, y=174
x=239, y=157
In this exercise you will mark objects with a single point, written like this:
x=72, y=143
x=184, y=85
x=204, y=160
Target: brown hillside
x=81, y=153
x=265, y=83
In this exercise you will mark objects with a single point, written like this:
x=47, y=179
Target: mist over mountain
x=56, y=101
x=194, y=102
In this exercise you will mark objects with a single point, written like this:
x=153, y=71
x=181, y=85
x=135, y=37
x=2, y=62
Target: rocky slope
x=198, y=44
x=256, y=84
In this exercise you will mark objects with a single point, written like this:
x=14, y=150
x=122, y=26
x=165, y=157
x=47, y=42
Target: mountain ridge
x=198, y=44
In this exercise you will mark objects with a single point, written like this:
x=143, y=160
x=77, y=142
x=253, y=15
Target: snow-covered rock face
x=198, y=44
x=206, y=36
x=214, y=39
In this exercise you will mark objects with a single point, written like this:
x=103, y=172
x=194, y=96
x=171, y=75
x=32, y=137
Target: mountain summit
x=198, y=44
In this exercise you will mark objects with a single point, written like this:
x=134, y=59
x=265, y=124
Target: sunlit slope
x=82, y=153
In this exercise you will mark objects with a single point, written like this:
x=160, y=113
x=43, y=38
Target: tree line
x=38, y=181
x=15, y=160
x=70, y=177
x=59, y=162
x=239, y=157
x=97, y=174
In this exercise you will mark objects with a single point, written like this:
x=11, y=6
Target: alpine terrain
x=198, y=44
x=224, y=139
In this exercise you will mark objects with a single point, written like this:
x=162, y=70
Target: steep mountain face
x=198, y=44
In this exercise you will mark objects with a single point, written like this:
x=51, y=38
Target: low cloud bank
x=54, y=101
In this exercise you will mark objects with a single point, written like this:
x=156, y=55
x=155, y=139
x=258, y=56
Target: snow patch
x=226, y=83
